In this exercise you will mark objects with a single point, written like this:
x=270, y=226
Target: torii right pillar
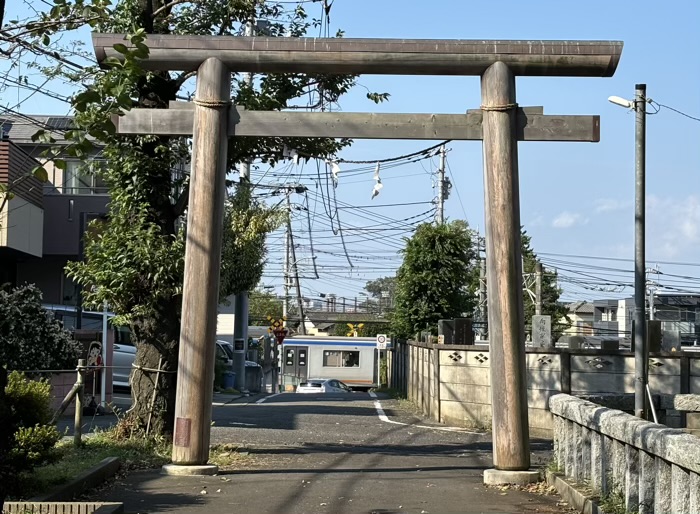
x=510, y=433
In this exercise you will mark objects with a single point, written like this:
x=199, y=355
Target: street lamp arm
x=622, y=102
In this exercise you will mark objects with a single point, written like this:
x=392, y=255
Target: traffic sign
x=381, y=341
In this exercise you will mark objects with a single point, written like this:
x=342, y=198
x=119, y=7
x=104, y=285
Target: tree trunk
x=156, y=338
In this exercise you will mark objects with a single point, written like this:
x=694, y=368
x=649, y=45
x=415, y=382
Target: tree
x=30, y=338
x=136, y=263
x=381, y=285
x=435, y=278
x=261, y=305
x=550, y=289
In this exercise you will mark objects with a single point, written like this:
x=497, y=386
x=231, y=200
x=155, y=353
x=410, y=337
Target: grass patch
x=613, y=502
x=227, y=455
x=134, y=453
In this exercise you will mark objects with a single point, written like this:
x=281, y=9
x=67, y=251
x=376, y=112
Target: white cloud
x=673, y=227
x=568, y=219
x=610, y=205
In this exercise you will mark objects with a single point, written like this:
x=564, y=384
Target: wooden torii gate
x=500, y=123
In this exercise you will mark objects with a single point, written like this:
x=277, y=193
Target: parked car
x=323, y=385
x=123, y=358
x=125, y=353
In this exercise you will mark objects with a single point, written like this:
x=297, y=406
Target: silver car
x=125, y=354
x=323, y=385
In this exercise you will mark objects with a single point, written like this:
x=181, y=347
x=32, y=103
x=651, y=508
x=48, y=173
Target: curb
x=571, y=492
x=89, y=479
x=31, y=507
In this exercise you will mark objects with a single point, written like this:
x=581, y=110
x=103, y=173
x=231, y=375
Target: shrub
x=26, y=437
x=29, y=336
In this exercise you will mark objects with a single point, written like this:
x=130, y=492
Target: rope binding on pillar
x=212, y=104
x=499, y=108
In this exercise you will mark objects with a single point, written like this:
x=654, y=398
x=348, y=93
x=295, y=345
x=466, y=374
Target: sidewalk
x=360, y=485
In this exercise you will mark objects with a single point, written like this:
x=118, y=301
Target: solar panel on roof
x=60, y=123
x=5, y=127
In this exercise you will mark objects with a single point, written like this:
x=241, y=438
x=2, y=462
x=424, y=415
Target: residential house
x=581, y=316
x=679, y=314
x=69, y=201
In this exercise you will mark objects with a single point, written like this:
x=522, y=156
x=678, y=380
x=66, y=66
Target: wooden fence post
x=78, y=420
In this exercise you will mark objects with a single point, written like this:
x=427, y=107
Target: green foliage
x=219, y=369
x=28, y=440
x=261, y=305
x=435, y=280
x=134, y=260
x=381, y=285
x=30, y=399
x=550, y=290
x=29, y=336
x=368, y=329
x=246, y=225
x=136, y=452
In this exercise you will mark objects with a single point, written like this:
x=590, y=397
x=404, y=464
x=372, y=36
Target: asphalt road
x=333, y=453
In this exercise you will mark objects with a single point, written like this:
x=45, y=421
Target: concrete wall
x=451, y=383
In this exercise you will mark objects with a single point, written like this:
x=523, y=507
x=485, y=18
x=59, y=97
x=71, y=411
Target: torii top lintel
x=373, y=56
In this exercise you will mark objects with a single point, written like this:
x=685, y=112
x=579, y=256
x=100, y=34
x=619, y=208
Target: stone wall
x=653, y=467
x=451, y=383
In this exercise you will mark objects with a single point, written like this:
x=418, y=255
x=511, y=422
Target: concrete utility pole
x=641, y=354
x=538, y=288
x=440, y=213
x=200, y=294
x=285, y=274
x=241, y=300
x=300, y=299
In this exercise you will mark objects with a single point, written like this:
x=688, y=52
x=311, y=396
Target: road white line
x=372, y=394
x=262, y=400
x=383, y=417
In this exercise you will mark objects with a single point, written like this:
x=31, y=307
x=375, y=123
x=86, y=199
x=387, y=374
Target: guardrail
x=656, y=469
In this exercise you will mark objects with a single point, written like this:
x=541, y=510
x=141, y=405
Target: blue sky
x=576, y=198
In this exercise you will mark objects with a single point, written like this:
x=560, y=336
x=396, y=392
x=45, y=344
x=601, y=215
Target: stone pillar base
x=185, y=470
x=502, y=477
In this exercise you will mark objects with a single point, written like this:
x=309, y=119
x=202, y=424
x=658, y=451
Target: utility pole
x=538, y=288
x=440, y=213
x=300, y=300
x=285, y=301
x=641, y=353
x=640, y=347
x=241, y=300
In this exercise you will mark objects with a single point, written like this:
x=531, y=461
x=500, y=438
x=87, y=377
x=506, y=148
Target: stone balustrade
x=655, y=468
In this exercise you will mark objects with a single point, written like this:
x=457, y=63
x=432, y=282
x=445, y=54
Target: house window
x=341, y=359
x=69, y=291
x=80, y=178
x=688, y=316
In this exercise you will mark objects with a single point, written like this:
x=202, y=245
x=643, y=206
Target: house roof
x=581, y=308
x=20, y=128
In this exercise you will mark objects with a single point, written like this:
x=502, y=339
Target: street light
x=640, y=344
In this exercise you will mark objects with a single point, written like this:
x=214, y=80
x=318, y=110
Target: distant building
x=602, y=319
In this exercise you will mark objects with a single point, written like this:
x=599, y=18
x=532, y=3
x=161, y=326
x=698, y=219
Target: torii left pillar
x=202, y=264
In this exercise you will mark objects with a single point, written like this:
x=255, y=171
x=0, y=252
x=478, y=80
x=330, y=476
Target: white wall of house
x=22, y=226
